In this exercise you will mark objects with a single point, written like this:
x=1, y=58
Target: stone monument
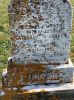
x=40, y=66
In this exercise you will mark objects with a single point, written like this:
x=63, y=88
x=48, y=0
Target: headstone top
x=40, y=31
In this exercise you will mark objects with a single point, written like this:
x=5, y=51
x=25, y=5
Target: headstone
x=40, y=33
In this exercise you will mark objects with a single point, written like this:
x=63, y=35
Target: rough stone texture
x=40, y=34
x=24, y=75
x=40, y=31
x=40, y=92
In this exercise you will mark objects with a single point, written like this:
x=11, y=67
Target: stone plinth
x=41, y=92
x=36, y=74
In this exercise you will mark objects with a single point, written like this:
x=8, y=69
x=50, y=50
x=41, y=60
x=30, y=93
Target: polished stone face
x=40, y=31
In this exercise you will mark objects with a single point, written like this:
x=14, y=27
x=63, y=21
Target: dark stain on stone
x=64, y=1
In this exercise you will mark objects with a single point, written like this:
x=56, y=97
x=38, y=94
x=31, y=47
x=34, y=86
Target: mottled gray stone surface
x=40, y=31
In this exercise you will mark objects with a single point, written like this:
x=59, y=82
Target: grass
x=72, y=35
x=5, y=49
x=5, y=44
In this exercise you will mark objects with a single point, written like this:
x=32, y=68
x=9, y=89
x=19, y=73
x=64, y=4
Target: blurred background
x=5, y=42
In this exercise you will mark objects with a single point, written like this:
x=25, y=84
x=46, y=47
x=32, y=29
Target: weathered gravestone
x=40, y=34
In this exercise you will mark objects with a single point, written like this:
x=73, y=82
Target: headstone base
x=41, y=92
x=55, y=74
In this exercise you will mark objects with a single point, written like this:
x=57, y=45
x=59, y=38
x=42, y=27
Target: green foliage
x=5, y=49
x=72, y=34
x=4, y=15
x=5, y=44
x=72, y=2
